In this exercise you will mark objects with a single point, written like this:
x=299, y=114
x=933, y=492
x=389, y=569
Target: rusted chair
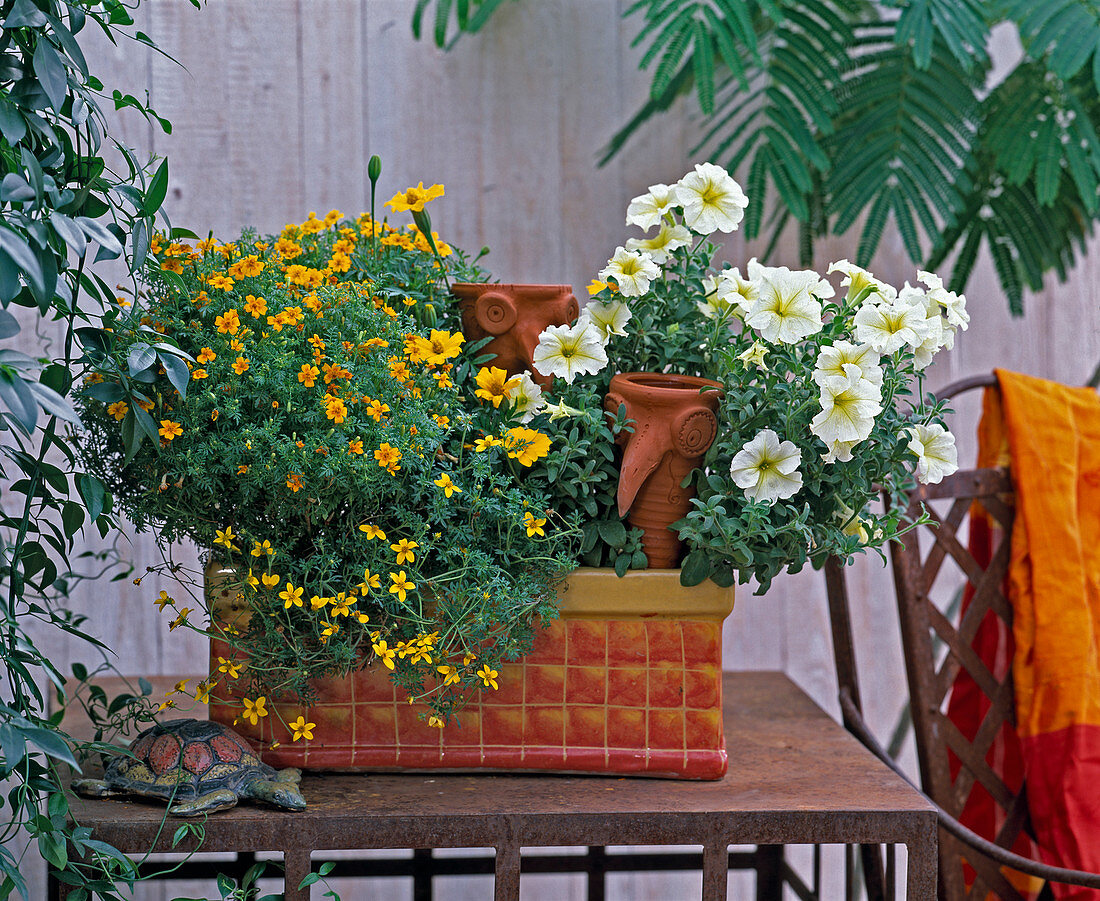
x=936, y=650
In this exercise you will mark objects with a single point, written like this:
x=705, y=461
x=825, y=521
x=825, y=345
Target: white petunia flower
x=661, y=245
x=717, y=297
x=889, y=327
x=936, y=453
x=526, y=397
x=561, y=410
x=755, y=355
x=757, y=271
x=953, y=305
x=838, y=363
x=786, y=309
x=767, y=469
x=848, y=412
x=857, y=278
x=711, y=199
x=568, y=351
x=646, y=210
x=741, y=291
x=631, y=270
x=610, y=318
x=839, y=450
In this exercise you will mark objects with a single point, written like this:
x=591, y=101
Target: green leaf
x=99, y=233
x=19, y=251
x=178, y=373
x=9, y=325
x=72, y=518
x=17, y=397
x=12, y=124
x=14, y=189
x=12, y=745
x=140, y=358
x=695, y=568
x=622, y=565
x=24, y=14
x=158, y=188
x=613, y=532
x=51, y=73
x=51, y=744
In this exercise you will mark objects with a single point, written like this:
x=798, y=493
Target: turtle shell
x=183, y=759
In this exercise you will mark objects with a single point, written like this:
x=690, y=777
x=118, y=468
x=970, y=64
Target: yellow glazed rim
x=591, y=593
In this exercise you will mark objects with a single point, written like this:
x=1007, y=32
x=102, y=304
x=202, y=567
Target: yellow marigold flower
x=312, y=225
x=291, y=596
x=270, y=580
x=253, y=582
x=404, y=550
x=468, y=658
x=172, y=266
x=225, y=536
x=417, y=348
x=254, y=710
x=199, y=374
x=384, y=652
x=206, y=355
x=294, y=482
x=287, y=248
x=443, y=380
x=231, y=669
x=318, y=603
x=413, y=199
x=259, y=549
x=376, y=410
x=302, y=729
x=118, y=410
x=449, y=487
x=155, y=245
x=444, y=346
x=179, y=620
x=356, y=446
x=163, y=601
x=207, y=244
x=308, y=375
x=241, y=365
x=483, y=444
x=441, y=421
x=202, y=693
x=341, y=606
x=256, y=306
x=597, y=286
x=488, y=676
x=222, y=282
x=169, y=429
x=165, y=705
x=340, y=262
x=336, y=410
x=399, y=370
x=450, y=675
x=533, y=524
x=247, y=267
x=372, y=531
x=526, y=445
x=435, y=722
x=180, y=687
x=388, y=457
x=375, y=342
x=401, y=585
x=236, y=345
x=228, y=323
x=370, y=580
x=493, y=384
x=243, y=469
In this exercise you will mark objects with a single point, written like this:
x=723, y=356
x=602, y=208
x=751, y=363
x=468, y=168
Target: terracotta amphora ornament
x=514, y=316
x=675, y=424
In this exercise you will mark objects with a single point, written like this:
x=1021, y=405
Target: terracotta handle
x=496, y=312
x=693, y=431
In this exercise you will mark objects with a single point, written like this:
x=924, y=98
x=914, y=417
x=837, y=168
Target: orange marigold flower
x=256, y=306
x=336, y=410
x=308, y=375
x=356, y=446
x=169, y=430
x=241, y=365
x=118, y=410
x=228, y=323
x=294, y=482
x=206, y=355
x=199, y=374
x=388, y=457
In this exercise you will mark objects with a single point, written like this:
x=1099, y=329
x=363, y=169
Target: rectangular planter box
x=627, y=681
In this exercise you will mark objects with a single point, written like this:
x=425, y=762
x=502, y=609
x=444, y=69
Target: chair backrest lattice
x=933, y=560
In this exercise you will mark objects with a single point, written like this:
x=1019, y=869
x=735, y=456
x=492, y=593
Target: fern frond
x=903, y=138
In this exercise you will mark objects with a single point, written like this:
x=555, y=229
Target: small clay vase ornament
x=514, y=316
x=675, y=424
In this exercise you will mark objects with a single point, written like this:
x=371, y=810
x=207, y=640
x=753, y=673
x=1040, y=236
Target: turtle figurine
x=196, y=766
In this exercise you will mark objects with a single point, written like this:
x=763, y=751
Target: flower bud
x=374, y=168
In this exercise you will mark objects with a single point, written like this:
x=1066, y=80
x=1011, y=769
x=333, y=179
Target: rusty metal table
x=795, y=777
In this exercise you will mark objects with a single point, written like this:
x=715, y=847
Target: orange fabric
x=1054, y=587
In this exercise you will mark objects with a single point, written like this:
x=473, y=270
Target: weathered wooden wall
x=279, y=106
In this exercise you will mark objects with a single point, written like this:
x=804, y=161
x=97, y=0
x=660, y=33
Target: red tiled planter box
x=628, y=680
